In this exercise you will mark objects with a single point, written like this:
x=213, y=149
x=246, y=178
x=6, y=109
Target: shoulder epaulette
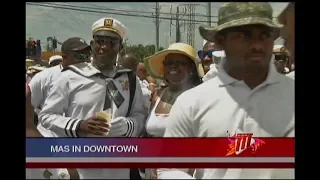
x=121, y=71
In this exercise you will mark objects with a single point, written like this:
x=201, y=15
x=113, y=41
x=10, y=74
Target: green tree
x=140, y=51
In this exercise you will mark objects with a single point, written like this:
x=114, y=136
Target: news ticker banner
x=159, y=152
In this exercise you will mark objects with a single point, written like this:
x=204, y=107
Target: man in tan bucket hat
x=241, y=14
x=248, y=95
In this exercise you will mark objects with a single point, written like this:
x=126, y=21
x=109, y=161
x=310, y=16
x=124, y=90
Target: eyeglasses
x=203, y=54
x=106, y=41
x=280, y=57
x=174, y=62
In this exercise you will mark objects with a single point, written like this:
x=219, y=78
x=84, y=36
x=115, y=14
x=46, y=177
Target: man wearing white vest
x=87, y=88
x=248, y=94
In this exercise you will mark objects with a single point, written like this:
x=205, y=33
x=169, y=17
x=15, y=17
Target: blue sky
x=42, y=22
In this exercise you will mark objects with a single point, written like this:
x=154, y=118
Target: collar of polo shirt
x=273, y=75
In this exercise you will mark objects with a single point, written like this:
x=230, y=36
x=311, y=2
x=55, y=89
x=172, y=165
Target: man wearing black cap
x=84, y=91
x=75, y=50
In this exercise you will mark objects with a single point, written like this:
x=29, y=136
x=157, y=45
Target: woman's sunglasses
x=174, y=62
x=203, y=54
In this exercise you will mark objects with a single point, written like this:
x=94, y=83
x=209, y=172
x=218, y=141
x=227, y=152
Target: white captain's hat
x=103, y=26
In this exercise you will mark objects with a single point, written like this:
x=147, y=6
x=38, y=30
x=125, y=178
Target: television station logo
x=240, y=142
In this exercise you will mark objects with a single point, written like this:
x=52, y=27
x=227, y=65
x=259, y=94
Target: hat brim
x=154, y=64
x=50, y=62
x=82, y=47
x=209, y=33
x=107, y=32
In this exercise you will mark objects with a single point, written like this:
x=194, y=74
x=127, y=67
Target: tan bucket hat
x=154, y=63
x=236, y=14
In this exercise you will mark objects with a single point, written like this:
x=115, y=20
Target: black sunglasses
x=106, y=41
x=203, y=54
x=280, y=57
x=174, y=62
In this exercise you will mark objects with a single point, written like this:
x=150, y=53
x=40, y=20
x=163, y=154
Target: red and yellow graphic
x=239, y=142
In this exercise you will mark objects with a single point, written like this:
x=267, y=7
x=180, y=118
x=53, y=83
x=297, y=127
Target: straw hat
x=200, y=70
x=154, y=64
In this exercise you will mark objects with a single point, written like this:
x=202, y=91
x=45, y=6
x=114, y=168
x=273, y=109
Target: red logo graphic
x=242, y=141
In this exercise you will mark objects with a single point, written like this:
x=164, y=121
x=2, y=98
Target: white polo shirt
x=225, y=104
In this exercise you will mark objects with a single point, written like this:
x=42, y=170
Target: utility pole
x=55, y=41
x=177, y=26
x=157, y=25
x=209, y=13
x=191, y=24
x=170, y=22
x=125, y=45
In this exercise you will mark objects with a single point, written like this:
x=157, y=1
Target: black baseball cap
x=74, y=44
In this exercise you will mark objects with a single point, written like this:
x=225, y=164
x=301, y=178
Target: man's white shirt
x=291, y=74
x=225, y=104
x=41, y=84
x=146, y=93
x=213, y=72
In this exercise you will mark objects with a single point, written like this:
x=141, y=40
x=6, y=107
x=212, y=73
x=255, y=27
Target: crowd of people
x=239, y=82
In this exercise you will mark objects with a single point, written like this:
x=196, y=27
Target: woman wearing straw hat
x=177, y=65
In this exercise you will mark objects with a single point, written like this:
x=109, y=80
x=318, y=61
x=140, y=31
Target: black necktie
x=112, y=94
x=107, y=99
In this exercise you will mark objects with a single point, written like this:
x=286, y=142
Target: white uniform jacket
x=81, y=94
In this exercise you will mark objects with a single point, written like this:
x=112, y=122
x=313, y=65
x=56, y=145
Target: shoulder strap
x=132, y=86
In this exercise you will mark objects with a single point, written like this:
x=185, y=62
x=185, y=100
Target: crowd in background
x=235, y=83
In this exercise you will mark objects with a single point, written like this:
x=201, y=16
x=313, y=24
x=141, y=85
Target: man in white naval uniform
x=87, y=88
x=248, y=95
